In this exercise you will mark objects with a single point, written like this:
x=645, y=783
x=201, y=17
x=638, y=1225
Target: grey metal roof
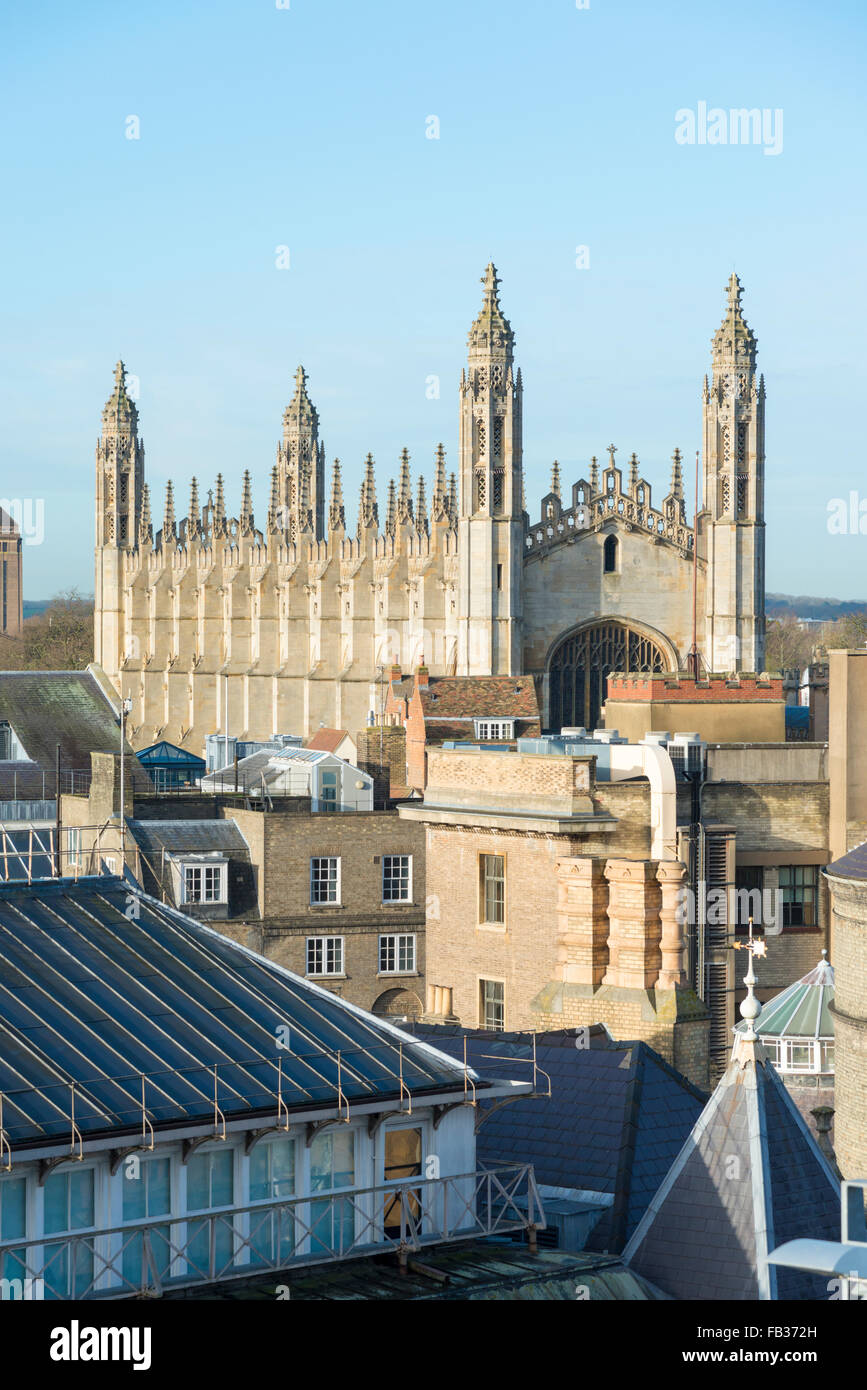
x=749, y=1177
x=98, y=996
x=617, y=1117
x=192, y=836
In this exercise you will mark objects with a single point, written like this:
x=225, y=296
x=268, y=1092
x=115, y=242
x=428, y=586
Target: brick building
x=339, y=898
x=545, y=909
x=848, y=879
x=584, y=892
x=11, y=588
x=464, y=709
x=748, y=708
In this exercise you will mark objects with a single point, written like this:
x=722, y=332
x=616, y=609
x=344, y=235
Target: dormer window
x=204, y=883
x=495, y=730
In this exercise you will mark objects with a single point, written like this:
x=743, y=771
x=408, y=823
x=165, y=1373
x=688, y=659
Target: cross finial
x=612, y=450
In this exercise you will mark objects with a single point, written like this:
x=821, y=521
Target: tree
x=58, y=639
x=788, y=644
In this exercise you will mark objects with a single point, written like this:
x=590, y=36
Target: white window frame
x=325, y=859
x=200, y=866
x=322, y=943
x=408, y=896
x=798, y=1068
x=73, y=846
x=495, y=730
x=395, y=938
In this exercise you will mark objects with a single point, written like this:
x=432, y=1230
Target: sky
x=306, y=125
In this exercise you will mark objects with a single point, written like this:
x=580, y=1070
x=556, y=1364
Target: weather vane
x=757, y=946
x=750, y=1007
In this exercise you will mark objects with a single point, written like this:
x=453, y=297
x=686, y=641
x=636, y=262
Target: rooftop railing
x=204, y=1248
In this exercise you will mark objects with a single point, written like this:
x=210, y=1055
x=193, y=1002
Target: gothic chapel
x=299, y=614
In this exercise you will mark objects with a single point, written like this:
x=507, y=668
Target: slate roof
x=50, y=707
x=803, y=1009
x=98, y=996
x=188, y=836
x=617, y=1117
x=851, y=865
x=749, y=1177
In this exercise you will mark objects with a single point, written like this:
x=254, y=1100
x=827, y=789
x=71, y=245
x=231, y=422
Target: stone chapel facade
x=209, y=623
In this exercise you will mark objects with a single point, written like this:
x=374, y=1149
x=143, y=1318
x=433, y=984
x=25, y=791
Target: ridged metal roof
x=100, y=986
x=801, y=1011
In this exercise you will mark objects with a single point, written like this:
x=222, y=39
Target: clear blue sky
x=305, y=127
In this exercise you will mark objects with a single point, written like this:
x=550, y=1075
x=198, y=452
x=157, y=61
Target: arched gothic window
x=609, y=552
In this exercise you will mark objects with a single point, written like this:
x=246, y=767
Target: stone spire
x=421, y=506
x=491, y=333
x=391, y=510
x=301, y=464
x=555, y=480
x=119, y=470
x=169, y=530
x=336, y=513
x=219, y=508
x=439, y=501
x=120, y=416
x=453, y=497
x=404, y=491
x=245, y=518
x=274, y=509
x=369, y=512
x=733, y=448
x=594, y=475
x=734, y=343
x=194, y=520
x=676, y=475
x=633, y=470
x=145, y=534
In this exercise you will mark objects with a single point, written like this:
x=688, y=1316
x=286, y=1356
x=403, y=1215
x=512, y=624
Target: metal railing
x=204, y=1248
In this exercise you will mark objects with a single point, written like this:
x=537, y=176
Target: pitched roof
x=188, y=836
x=47, y=708
x=802, y=1010
x=507, y=697
x=851, y=865
x=168, y=753
x=327, y=740
x=96, y=995
x=617, y=1117
x=749, y=1177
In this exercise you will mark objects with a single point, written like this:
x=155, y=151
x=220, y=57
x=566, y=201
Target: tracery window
x=580, y=667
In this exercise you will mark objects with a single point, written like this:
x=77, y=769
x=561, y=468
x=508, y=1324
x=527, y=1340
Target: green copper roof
x=801, y=1011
